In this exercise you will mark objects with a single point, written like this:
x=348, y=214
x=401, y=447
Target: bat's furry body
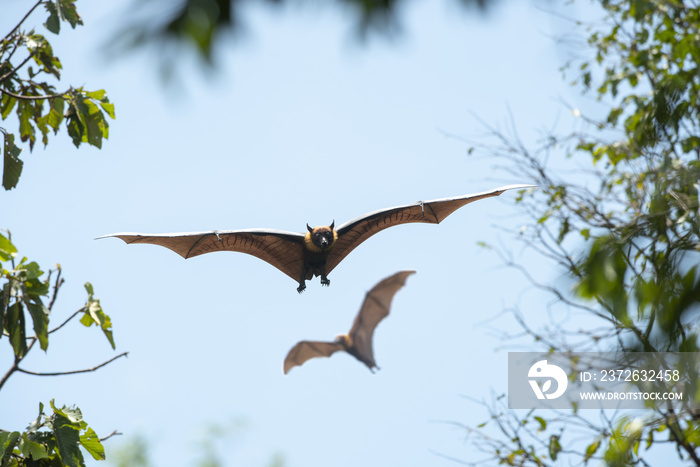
x=357, y=342
x=320, y=249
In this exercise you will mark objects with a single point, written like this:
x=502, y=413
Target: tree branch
x=67, y=320
x=114, y=433
x=56, y=286
x=30, y=98
x=15, y=365
x=61, y=373
x=14, y=70
x=678, y=435
x=31, y=10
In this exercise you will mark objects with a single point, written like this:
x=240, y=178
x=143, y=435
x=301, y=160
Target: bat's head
x=344, y=340
x=320, y=239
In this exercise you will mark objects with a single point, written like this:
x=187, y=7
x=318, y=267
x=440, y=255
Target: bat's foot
x=301, y=288
x=325, y=282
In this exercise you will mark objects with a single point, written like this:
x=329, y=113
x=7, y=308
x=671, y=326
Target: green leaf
x=66, y=424
x=69, y=13
x=94, y=314
x=40, y=318
x=542, y=422
x=108, y=107
x=32, y=270
x=603, y=276
x=14, y=325
x=690, y=143
x=36, y=424
x=98, y=95
x=7, y=250
x=74, y=415
x=94, y=126
x=12, y=165
x=52, y=23
x=31, y=449
x=55, y=115
x=554, y=447
x=91, y=442
x=67, y=436
x=8, y=441
x=7, y=103
x=25, y=112
x=591, y=450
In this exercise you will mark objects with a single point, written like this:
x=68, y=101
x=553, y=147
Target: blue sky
x=301, y=124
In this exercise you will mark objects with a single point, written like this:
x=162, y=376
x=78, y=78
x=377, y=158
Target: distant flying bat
x=358, y=342
x=316, y=253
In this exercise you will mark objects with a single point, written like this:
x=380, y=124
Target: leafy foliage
x=53, y=440
x=625, y=230
x=28, y=68
x=203, y=24
x=25, y=287
x=24, y=292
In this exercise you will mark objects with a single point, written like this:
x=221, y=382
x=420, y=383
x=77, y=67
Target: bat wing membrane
x=306, y=350
x=352, y=233
x=281, y=249
x=375, y=308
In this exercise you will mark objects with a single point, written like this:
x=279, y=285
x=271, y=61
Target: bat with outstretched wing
x=357, y=342
x=320, y=249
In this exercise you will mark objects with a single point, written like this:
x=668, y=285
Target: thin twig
x=31, y=98
x=56, y=286
x=114, y=433
x=14, y=70
x=82, y=310
x=23, y=19
x=61, y=373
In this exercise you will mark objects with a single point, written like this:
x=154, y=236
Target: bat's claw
x=301, y=288
x=325, y=282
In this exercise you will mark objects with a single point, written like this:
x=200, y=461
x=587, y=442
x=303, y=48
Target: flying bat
x=358, y=342
x=317, y=252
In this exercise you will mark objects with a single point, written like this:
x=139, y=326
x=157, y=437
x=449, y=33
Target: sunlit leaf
x=7, y=249
x=31, y=449
x=591, y=449
x=542, y=422
x=8, y=441
x=91, y=442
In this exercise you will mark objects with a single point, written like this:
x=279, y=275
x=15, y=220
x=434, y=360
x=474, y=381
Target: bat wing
x=306, y=350
x=281, y=249
x=354, y=232
x=374, y=309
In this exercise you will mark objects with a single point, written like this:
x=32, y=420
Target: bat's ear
x=309, y=227
x=332, y=224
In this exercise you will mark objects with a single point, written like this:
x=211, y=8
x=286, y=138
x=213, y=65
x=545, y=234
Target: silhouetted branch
x=114, y=433
x=29, y=98
x=23, y=19
x=67, y=320
x=61, y=373
x=56, y=286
